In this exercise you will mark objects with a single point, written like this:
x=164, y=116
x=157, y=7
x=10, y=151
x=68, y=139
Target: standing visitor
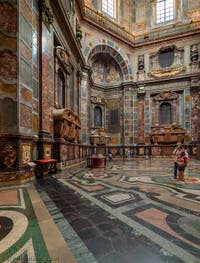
x=182, y=161
x=176, y=153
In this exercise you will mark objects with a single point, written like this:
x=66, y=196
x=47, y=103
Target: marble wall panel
x=8, y=65
x=47, y=60
x=25, y=70
x=25, y=51
x=8, y=15
x=35, y=5
x=35, y=89
x=35, y=72
x=141, y=13
x=35, y=105
x=193, y=5
x=35, y=55
x=26, y=10
x=35, y=21
x=8, y=115
x=8, y=89
x=25, y=116
x=187, y=112
x=25, y=31
x=26, y=95
x=7, y=41
x=35, y=123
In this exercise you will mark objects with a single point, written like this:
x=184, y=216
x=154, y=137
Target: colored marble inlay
x=26, y=116
x=20, y=236
x=119, y=197
x=158, y=218
x=8, y=16
x=90, y=188
x=9, y=197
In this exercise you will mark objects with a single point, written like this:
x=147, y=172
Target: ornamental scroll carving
x=167, y=62
x=47, y=16
x=62, y=59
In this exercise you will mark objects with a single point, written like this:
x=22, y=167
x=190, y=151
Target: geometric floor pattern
x=129, y=212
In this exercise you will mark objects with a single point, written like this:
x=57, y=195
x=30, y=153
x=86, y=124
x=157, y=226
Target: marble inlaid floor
x=129, y=212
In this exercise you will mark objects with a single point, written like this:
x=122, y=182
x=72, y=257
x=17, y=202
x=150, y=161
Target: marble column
x=46, y=82
x=141, y=105
x=195, y=118
x=85, y=110
x=128, y=115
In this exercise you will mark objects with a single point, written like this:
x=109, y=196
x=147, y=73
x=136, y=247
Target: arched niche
x=62, y=74
x=165, y=113
x=98, y=117
x=61, y=88
x=105, y=69
x=109, y=49
x=165, y=108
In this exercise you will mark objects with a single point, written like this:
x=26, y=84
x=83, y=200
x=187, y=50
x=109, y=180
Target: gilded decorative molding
x=165, y=73
x=194, y=13
x=100, y=19
x=47, y=16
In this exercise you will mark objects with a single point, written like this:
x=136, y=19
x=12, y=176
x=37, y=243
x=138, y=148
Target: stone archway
x=102, y=46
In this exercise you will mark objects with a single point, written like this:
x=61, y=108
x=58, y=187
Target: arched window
x=61, y=89
x=165, y=113
x=165, y=10
x=97, y=117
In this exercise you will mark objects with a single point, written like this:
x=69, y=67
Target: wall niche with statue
x=166, y=62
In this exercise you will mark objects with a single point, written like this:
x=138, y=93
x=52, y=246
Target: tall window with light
x=164, y=10
x=108, y=7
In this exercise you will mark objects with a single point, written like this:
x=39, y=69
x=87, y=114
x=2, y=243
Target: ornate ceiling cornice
x=102, y=22
x=62, y=19
x=107, y=25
